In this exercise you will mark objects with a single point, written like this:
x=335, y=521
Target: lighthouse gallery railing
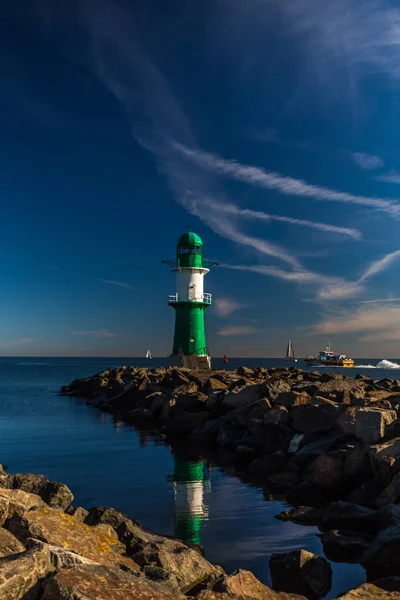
x=206, y=298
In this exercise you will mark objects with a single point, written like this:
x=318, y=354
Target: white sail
x=148, y=354
x=290, y=351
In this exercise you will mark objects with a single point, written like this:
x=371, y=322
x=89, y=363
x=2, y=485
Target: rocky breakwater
x=50, y=550
x=327, y=443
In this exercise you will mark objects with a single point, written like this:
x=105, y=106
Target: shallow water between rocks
x=108, y=463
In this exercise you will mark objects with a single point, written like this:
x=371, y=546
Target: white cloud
x=121, y=284
x=389, y=177
x=233, y=209
x=378, y=301
x=236, y=330
x=367, y=161
x=102, y=333
x=366, y=320
x=284, y=185
x=329, y=288
x=380, y=265
x=225, y=307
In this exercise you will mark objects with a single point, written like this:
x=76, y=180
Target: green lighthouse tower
x=190, y=302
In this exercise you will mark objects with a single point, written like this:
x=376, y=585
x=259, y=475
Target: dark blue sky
x=272, y=127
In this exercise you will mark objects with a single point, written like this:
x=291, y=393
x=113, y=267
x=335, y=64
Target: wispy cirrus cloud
x=372, y=323
x=365, y=161
x=236, y=330
x=378, y=266
x=100, y=333
x=377, y=301
x=233, y=209
x=389, y=177
x=284, y=185
x=121, y=284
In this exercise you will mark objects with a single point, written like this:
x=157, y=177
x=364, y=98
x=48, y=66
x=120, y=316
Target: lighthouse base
x=200, y=362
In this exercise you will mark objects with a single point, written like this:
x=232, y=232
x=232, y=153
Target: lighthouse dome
x=190, y=239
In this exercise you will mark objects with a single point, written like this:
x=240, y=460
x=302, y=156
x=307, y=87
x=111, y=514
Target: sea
x=109, y=463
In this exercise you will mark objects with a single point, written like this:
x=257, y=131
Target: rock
x=326, y=471
x=347, y=420
x=185, y=422
x=385, y=459
x=303, y=515
x=320, y=445
x=242, y=396
x=21, y=574
x=56, y=495
x=315, y=418
x=383, y=589
x=345, y=546
x=277, y=415
x=206, y=433
x=175, y=377
x=306, y=494
x=383, y=556
x=78, y=513
x=350, y=517
x=357, y=460
x=337, y=390
x=17, y=501
x=391, y=494
x=59, y=529
x=371, y=423
x=366, y=493
x=295, y=443
x=187, y=564
x=214, y=385
x=390, y=515
x=242, y=585
x=273, y=388
x=292, y=399
x=9, y=543
x=266, y=465
x=107, y=516
x=245, y=372
x=103, y=583
x=301, y=572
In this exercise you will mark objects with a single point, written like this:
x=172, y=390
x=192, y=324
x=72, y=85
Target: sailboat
x=290, y=352
x=148, y=354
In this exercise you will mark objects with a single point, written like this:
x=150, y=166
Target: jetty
x=327, y=444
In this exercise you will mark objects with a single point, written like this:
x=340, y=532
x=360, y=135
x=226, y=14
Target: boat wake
x=382, y=364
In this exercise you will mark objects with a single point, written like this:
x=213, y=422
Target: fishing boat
x=328, y=358
x=148, y=354
x=290, y=352
x=225, y=361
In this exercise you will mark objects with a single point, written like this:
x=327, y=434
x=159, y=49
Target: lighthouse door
x=192, y=291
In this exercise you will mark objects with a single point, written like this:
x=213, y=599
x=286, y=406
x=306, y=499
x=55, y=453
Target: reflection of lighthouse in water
x=191, y=481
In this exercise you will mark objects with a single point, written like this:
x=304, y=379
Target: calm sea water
x=108, y=463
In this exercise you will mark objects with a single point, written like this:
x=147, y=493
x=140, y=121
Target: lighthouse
x=190, y=302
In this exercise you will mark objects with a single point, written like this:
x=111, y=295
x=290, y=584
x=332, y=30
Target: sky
x=270, y=127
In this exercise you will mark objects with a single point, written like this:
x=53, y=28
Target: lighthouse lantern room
x=190, y=302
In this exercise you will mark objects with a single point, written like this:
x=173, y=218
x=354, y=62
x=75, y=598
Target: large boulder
x=326, y=471
x=185, y=422
x=345, y=546
x=391, y=493
x=59, y=529
x=316, y=418
x=274, y=387
x=17, y=501
x=347, y=420
x=277, y=415
x=103, y=583
x=292, y=399
x=266, y=465
x=371, y=423
x=385, y=459
x=106, y=516
x=9, y=543
x=304, y=494
x=383, y=556
x=350, y=517
x=56, y=495
x=21, y=574
x=175, y=557
x=382, y=589
x=303, y=515
x=243, y=585
x=242, y=396
x=301, y=572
